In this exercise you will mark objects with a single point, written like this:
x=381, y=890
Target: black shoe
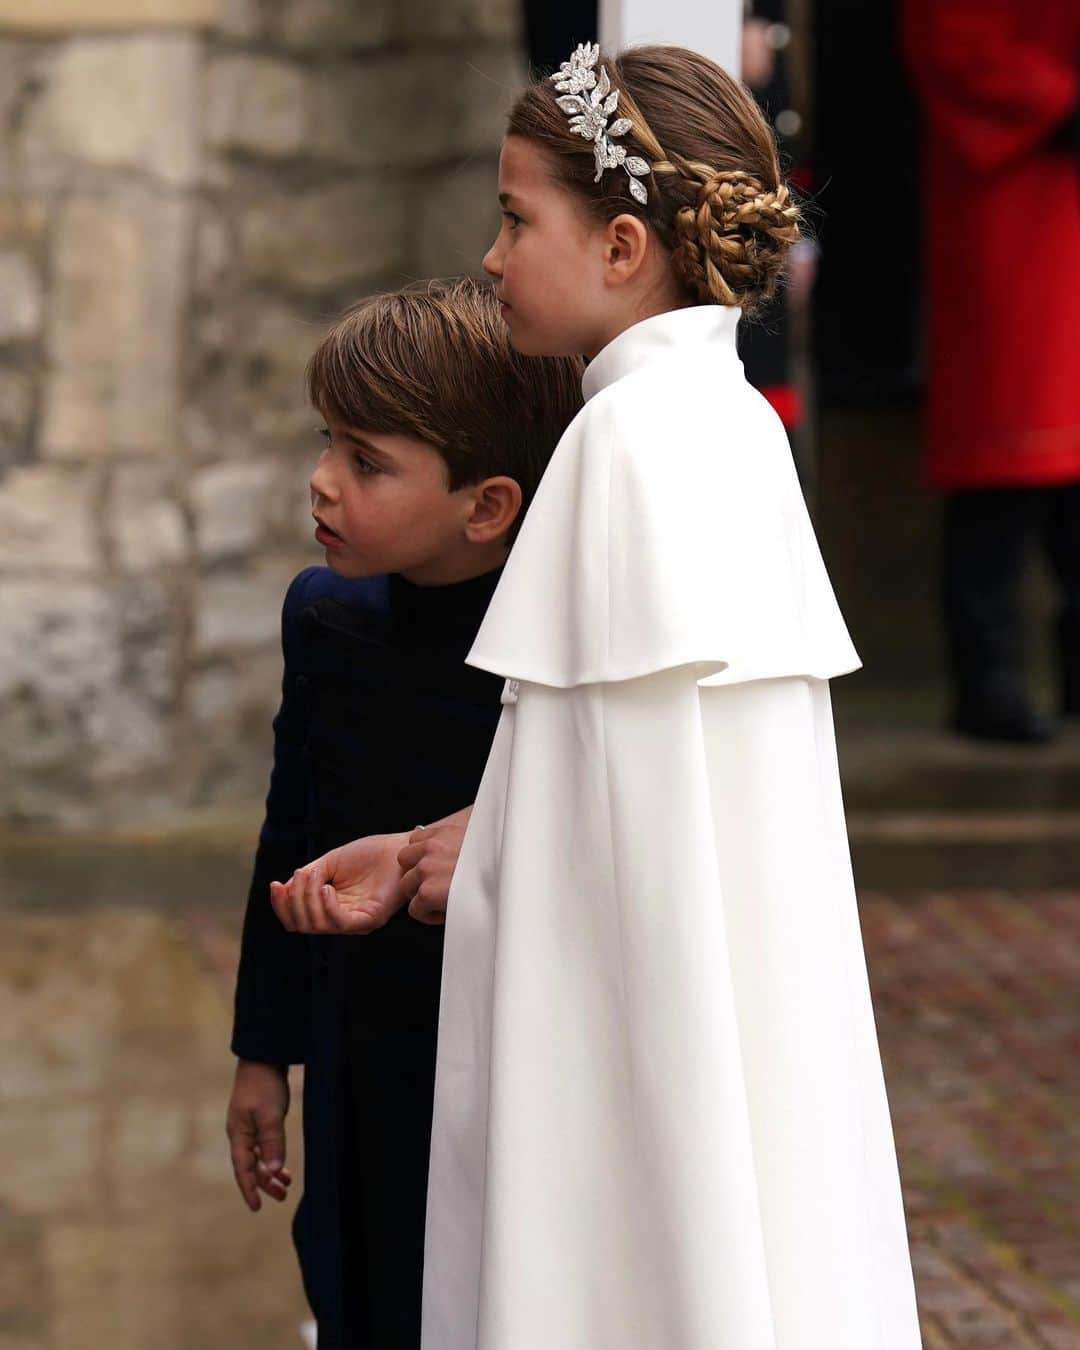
x=1008, y=719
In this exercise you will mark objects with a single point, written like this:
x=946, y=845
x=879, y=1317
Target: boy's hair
x=717, y=201
x=434, y=361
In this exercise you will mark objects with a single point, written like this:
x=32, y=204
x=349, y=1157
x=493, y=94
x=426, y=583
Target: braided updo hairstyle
x=717, y=201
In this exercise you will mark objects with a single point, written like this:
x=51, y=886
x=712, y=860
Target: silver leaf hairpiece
x=589, y=100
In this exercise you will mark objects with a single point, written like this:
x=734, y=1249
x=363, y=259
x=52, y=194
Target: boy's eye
x=362, y=465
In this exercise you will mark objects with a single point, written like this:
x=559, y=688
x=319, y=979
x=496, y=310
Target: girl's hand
x=352, y=889
x=428, y=861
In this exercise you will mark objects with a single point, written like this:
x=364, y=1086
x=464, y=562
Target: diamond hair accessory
x=589, y=100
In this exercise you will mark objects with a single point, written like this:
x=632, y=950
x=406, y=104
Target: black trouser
x=991, y=535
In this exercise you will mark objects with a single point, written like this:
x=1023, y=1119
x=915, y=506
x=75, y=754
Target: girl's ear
x=626, y=246
x=496, y=504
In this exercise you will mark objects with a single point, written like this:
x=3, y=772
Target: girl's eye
x=512, y=219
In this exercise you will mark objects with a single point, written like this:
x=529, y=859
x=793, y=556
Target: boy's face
x=381, y=504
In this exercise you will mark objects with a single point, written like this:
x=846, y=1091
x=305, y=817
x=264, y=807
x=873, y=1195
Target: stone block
x=58, y=1150
x=10, y=70
x=20, y=298
x=115, y=1282
x=239, y=18
x=391, y=111
x=272, y=352
x=460, y=19
x=248, y=397
x=419, y=108
x=125, y=102
x=230, y=504
x=57, y=649
x=151, y=1135
x=237, y=698
x=457, y=220
x=64, y=16
x=256, y=104
x=47, y=520
x=327, y=238
x=56, y=1024
x=146, y=525
x=119, y=281
x=87, y=687
x=213, y=253
x=130, y=736
x=343, y=25
x=17, y=389
x=490, y=81
x=150, y=616
x=24, y=223
x=240, y=610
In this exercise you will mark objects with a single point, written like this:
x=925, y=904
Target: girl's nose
x=492, y=264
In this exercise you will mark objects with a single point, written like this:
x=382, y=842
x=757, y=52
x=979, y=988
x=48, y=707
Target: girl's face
x=550, y=260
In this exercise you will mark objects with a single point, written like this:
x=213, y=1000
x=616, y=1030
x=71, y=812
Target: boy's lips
x=325, y=534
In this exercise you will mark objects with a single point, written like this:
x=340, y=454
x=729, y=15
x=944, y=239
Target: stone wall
x=189, y=190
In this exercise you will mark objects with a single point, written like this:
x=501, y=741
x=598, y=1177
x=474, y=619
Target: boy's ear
x=496, y=505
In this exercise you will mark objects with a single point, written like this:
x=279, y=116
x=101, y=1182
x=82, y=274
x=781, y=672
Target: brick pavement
x=978, y=1006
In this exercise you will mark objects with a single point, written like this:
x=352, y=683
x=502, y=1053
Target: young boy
x=437, y=435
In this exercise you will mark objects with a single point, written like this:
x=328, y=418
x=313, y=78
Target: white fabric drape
x=660, y=1120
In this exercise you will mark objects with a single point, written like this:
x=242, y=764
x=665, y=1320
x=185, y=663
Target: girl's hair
x=716, y=197
x=434, y=361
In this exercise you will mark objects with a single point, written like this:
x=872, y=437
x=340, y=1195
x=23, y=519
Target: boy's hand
x=352, y=889
x=255, y=1124
x=428, y=861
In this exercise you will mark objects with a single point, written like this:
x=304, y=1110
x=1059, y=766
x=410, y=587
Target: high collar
x=661, y=335
x=424, y=612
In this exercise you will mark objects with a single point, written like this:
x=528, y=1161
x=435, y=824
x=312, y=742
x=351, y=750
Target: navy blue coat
x=381, y=727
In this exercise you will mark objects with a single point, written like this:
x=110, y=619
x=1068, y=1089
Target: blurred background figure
x=998, y=86
x=774, y=348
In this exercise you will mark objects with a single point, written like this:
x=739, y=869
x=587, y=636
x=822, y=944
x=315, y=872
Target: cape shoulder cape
x=669, y=529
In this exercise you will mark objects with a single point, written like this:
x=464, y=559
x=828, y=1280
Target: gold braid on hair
x=730, y=245
x=731, y=240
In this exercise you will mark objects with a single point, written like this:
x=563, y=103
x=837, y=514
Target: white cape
x=660, y=1121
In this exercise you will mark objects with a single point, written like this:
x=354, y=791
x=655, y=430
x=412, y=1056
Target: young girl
x=660, y=1121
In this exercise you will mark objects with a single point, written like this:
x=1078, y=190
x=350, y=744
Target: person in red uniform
x=998, y=82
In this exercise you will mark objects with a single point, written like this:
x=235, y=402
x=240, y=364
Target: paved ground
x=119, y=1228
x=976, y=998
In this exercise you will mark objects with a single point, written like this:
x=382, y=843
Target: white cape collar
x=659, y=336
x=668, y=530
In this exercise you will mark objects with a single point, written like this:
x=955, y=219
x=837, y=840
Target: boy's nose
x=321, y=482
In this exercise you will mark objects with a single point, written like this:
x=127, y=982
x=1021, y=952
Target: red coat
x=998, y=81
